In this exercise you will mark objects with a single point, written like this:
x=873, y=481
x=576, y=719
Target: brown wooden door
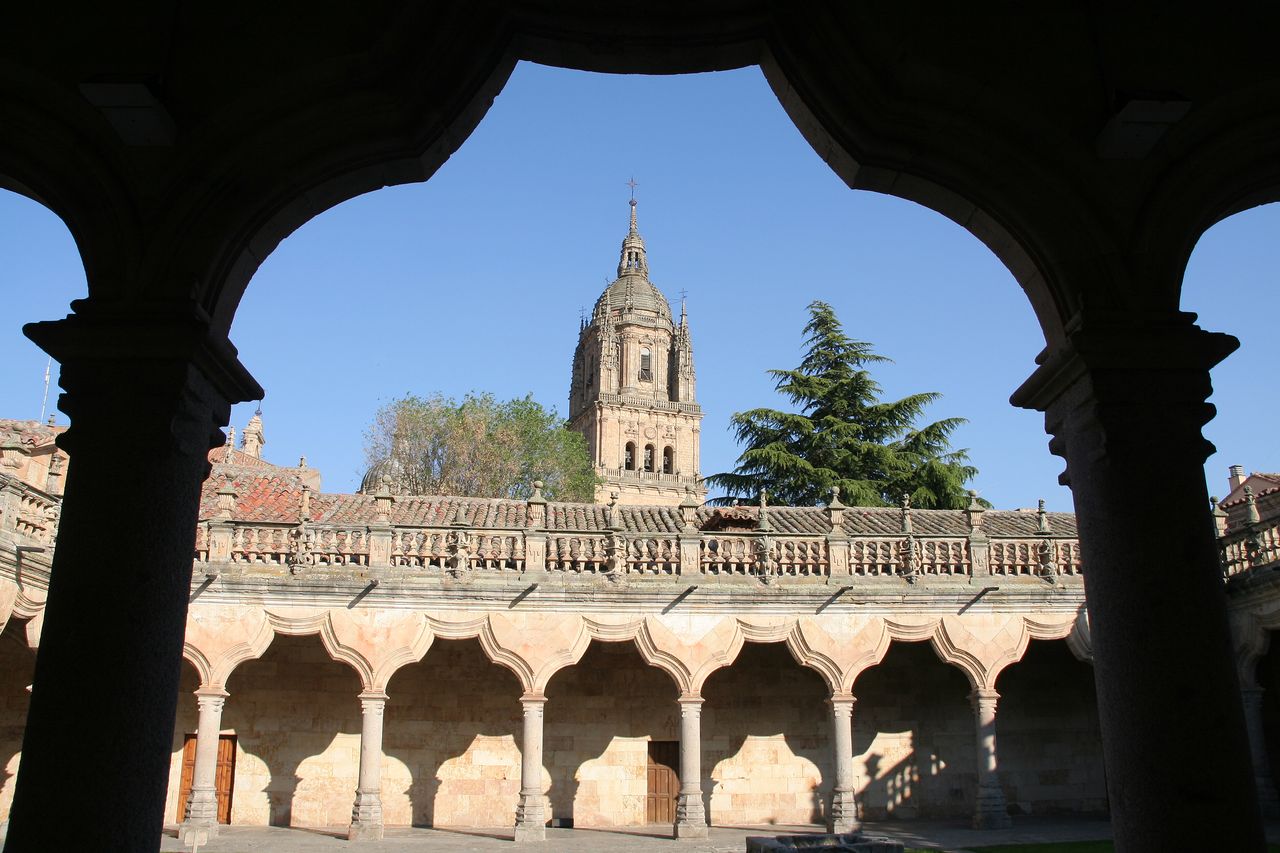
x=664, y=782
x=224, y=776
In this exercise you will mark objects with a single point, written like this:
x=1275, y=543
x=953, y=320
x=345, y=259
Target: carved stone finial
x=615, y=523
x=302, y=462
x=974, y=511
x=226, y=500
x=906, y=514
x=834, y=503
x=231, y=443
x=304, y=511
x=1251, y=506
x=460, y=516
x=1042, y=519
x=763, y=525
x=537, y=492
x=689, y=510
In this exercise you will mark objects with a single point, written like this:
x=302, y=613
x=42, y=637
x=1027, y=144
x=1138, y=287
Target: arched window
x=668, y=460
x=648, y=457
x=646, y=365
x=629, y=457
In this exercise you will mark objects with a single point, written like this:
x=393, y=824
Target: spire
x=633, y=258
x=252, y=439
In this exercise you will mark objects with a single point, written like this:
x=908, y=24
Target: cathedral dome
x=634, y=292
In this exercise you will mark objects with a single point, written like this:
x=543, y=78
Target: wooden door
x=224, y=776
x=664, y=781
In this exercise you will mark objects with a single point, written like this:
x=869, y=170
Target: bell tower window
x=668, y=460
x=648, y=457
x=629, y=457
x=646, y=365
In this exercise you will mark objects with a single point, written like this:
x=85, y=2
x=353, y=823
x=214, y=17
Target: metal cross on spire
x=632, y=183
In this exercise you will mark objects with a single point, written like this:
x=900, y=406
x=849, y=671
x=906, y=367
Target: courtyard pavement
x=938, y=835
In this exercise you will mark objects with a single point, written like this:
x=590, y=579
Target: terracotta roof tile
x=269, y=493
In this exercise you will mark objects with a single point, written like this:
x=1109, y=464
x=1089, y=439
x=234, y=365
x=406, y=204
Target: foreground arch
x=177, y=179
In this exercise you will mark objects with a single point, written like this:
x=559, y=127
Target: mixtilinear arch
x=1089, y=154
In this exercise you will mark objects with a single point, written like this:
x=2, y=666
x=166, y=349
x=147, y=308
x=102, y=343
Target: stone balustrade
x=762, y=556
x=1255, y=545
x=29, y=513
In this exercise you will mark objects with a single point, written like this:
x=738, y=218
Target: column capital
x=984, y=695
x=839, y=700
x=690, y=700
x=212, y=699
x=533, y=700
x=372, y=702
x=160, y=370
x=211, y=690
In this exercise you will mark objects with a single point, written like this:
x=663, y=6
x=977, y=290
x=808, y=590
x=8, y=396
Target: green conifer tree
x=844, y=435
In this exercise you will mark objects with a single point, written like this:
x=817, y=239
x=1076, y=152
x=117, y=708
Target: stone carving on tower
x=632, y=393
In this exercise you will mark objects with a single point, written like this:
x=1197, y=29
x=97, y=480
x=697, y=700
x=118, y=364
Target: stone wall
x=1048, y=738
x=766, y=753
x=17, y=663
x=599, y=718
x=913, y=737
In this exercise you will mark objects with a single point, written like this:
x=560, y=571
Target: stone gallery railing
x=764, y=554
x=28, y=512
x=1255, y=546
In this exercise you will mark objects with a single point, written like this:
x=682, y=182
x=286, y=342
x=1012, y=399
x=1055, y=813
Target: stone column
x=1268, y=800
x=531, y=822
x=366, y=814
x=1125, y=404
x=160, y=386
x=691, y=817
x=991, y=811
x=843, y=815
x=200, y=823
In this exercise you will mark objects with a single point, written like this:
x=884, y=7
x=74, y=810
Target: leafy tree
x=844, y=435
x=479, y=447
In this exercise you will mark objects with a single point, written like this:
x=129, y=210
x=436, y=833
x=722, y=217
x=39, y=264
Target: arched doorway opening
x=296, y=718
x=766, y=744
x=913, y=737
x=603, y=718
x=451, y=740
x=1050, y=742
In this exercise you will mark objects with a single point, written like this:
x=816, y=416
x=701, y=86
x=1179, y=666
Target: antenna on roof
x=44, y=403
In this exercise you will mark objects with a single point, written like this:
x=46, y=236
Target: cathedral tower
x=632, y=394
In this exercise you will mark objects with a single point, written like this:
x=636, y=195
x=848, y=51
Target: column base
x=366, y=817
x=843, y=816
x=192, y=833
x=531, y=822
x=691, y=818
x=991, y=811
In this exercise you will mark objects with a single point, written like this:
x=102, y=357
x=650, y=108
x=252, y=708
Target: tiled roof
x=237, y=457
x=269, y=493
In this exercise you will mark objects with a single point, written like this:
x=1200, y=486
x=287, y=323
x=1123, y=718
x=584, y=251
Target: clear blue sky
x=474, y=280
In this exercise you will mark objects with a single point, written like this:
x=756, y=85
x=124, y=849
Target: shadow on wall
x=1268, y=675
x=452, y=725
x=913, y=737
x=17, y=665
x=600, y=716
x=766, y=740
x=1048, y=740
x=296, y=715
